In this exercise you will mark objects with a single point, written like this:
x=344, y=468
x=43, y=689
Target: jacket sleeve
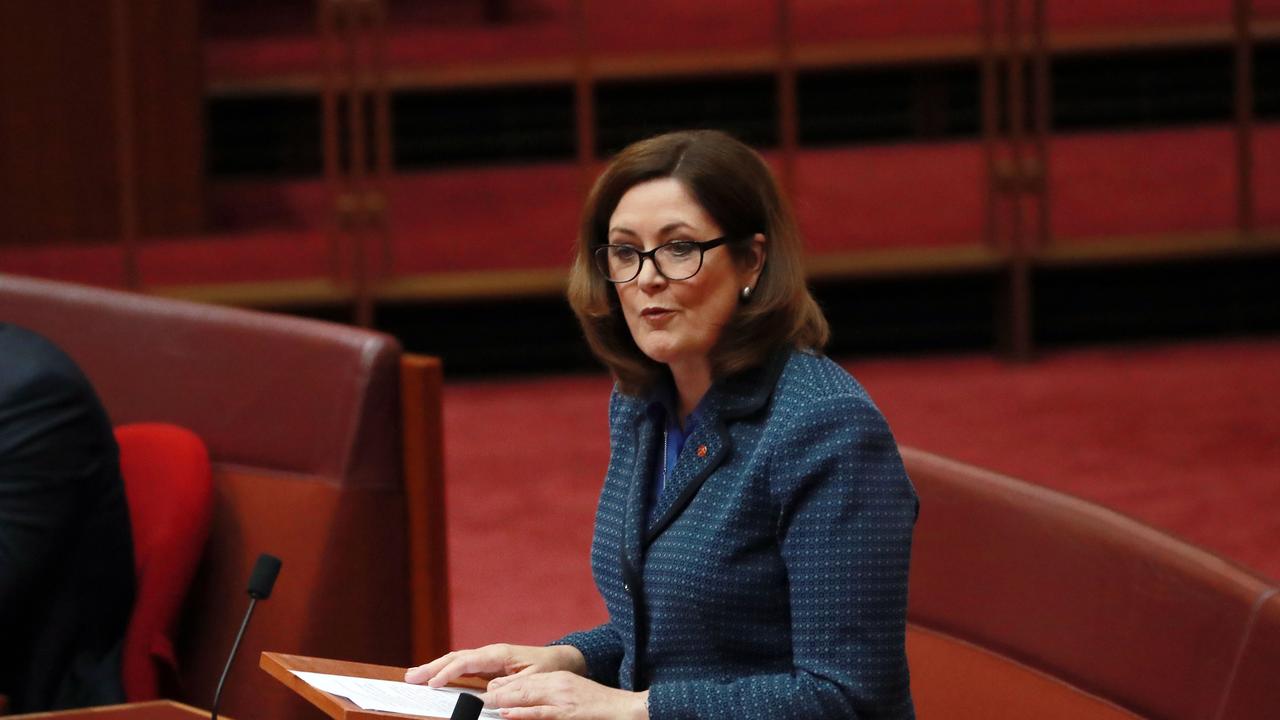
x=845, y=516
x=602, y=645
x=51, y=448
x=602, y=648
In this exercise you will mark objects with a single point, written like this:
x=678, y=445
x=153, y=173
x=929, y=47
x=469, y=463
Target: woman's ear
x=755, y=259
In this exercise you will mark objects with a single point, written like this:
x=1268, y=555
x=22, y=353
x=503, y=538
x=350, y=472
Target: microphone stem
x=217, y=695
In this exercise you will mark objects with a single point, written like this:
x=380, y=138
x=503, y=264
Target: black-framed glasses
x=677, y=260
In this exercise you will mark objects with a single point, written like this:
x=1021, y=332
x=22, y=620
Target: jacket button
x=626, y=587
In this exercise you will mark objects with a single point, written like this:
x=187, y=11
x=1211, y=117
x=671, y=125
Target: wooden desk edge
x=124, y=710
x=281, y=666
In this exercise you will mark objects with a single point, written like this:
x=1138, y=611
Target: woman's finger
x=537, y=712
x=464, y=664
x=534, y=689
x=447, y=668
x=424, y=672
x=518, y=692
x=498, y=682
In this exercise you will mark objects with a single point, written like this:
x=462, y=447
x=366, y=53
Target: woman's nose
x=649, y=277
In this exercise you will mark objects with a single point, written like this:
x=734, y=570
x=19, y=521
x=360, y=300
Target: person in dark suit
x=753, y=536
x=66, y=549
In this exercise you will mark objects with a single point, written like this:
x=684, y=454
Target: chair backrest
x=312, y=458
x=1106, y=616
x=169, y=486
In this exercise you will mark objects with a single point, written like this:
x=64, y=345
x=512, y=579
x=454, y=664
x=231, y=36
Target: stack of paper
x=390, y=696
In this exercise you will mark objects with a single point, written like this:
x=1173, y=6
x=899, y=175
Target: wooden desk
x=278, y=666
x=152, y=710
x=281, y=666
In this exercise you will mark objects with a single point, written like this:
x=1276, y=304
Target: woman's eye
x=681, y=249
x=622, y=252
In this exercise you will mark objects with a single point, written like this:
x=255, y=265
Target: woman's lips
x=655, y=314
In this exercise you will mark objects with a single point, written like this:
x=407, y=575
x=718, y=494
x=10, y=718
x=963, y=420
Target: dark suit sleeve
x=50, y=449
x=66, y=558
x=602, y=647
x=846, y=513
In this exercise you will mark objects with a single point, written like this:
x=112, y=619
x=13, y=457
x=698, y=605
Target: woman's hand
x=539, y=696
x=495, y=661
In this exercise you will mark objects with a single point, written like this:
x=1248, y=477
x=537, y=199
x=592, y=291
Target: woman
x=753, y=534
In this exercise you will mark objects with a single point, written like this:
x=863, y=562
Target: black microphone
x=261, y=581
x=263, y=577
x=468, y=707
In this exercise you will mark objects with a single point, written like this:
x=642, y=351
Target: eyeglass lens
x=676, y=261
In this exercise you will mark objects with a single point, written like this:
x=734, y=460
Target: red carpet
x=1185, y=437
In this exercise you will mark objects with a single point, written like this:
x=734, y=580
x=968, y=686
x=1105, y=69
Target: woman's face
x=677, y=321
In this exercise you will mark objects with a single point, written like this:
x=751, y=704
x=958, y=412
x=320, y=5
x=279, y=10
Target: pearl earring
x=746, y=293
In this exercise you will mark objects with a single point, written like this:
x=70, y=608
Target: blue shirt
x=664, y=414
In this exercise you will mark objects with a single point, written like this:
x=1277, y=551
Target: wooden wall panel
x=169, y=114
x=57, y=122
x=60, y=123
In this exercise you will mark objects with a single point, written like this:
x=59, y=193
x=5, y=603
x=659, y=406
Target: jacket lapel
x=642, y=467
x=709, y=445
x=703, y=452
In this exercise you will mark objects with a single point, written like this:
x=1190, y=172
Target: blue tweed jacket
x=771, y=581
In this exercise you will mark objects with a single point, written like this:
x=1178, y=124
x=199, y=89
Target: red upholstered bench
x=325, y=448
x=1027, y=603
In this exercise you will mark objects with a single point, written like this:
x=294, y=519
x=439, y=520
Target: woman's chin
x=659, y=357
x=660, y=352
x=677, y=358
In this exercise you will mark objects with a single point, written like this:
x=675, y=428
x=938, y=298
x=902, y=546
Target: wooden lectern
x=280, y=667
x=150, y=710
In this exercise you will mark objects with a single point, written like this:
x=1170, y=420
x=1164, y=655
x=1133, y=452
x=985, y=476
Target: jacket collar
x=728, y=399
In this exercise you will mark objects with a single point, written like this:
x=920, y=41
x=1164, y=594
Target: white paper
x=390, y=695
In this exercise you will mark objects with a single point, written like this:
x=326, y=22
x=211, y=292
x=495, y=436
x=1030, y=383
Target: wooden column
x=990, y=89
x=329, y=22
x=1017, y=337
x=353, y=41
x=358, y=154
x=584, y=104
x=788, y=113
x=1042, y=108
x=126, y=133
x=383, y=153
x=1016, y=158
x=1243, y=40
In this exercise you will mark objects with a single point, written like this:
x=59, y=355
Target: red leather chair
x=1028, y=603
x=169, y=486
x=325, y=444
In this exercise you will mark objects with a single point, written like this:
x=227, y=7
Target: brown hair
x=733, y=184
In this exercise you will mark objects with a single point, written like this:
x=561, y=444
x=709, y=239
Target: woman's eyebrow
x=665, y=230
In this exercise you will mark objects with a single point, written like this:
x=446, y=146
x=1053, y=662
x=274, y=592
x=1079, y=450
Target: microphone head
x=468, y=707
x=264, y=576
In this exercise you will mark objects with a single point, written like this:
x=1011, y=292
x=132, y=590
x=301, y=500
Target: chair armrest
x=422, y=413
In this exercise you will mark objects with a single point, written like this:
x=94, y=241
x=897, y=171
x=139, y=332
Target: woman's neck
x=692, y=379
